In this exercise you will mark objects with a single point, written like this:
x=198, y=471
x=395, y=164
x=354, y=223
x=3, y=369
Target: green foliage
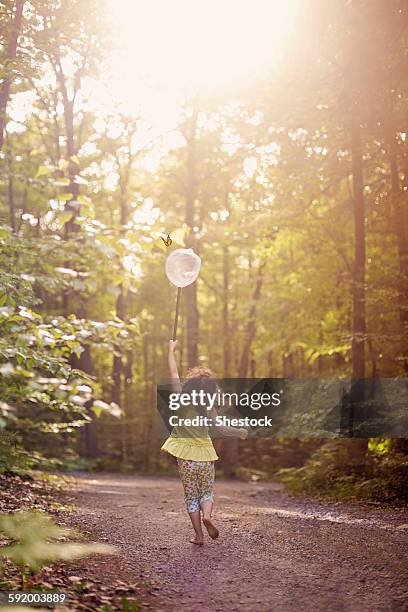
x=389, y=480
x=380, y=446
x=15, y=459
x=85, y=309
x=36, y=540
x=129, y=606
x=12, y=457
x=42, y=391
x=330, y=472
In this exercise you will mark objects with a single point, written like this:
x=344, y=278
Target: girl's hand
x=172, y=346
x=243, y=434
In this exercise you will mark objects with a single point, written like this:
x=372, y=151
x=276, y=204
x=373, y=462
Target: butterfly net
x=182, y=267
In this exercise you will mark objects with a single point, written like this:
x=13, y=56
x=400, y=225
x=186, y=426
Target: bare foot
x=211, y=528
x=198, y=541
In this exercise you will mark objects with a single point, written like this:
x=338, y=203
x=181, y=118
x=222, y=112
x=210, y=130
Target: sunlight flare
x=180, y=48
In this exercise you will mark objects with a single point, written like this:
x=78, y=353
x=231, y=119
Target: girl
x=194, y=450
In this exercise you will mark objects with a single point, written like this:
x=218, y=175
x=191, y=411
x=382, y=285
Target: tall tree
x=9, y=60
x=190, y=292
x=359, y=325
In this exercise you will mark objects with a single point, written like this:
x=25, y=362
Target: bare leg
x=196, y=522
x=206, y=507
x=186, y=469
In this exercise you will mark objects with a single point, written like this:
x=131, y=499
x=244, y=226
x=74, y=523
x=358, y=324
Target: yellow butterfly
x=167, y=241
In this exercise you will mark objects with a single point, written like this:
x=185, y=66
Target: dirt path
x=274, y=553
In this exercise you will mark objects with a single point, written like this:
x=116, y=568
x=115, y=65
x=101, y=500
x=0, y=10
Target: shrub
x=35, y=540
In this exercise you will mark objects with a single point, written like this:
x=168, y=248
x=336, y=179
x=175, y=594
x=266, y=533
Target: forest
x=270, y=137
x=291, y=183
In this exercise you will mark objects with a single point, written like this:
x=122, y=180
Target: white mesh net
x=182, y=267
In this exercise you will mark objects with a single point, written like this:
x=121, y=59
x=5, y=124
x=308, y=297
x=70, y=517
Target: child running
x=194, y=449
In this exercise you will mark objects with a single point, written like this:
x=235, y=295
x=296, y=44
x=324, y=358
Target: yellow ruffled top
x=190, y=443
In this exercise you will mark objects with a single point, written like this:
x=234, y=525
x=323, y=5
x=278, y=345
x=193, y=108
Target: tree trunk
x=357, y=447
x=11, y=53
x=400, y=445
x=359, y=325
x=153, y=448
x=225, y=313
x=252, y=367
x=90, y=430
x=231, y=445
x=251, y=326
x=190, y=292
x=271, y=372
x=400, y=227
x=72, y=205
x=117, y=358
x=288, y=370
x=147, y=417
x=231, y=457
x=119, y=374
x=10, y=189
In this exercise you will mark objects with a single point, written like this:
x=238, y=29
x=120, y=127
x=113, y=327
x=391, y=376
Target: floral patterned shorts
x=198, y=481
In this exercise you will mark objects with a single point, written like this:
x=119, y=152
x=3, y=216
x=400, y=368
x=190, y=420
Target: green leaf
x=65, y=216
x=4, y=232
x=65, y=197
x=31, y=533
x=63, y=164
x=44, y=171
x=99, y=406
x=62, y=182
x=75, y=159
x=84, y=199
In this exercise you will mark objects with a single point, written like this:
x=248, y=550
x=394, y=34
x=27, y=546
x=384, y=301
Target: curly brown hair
x=199, y=371
x=200, y=379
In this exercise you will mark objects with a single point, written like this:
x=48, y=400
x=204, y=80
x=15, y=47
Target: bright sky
x=165, y=51
x=168, y=49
